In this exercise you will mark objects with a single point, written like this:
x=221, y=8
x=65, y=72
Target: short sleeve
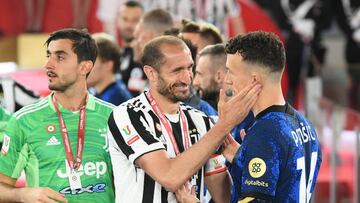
x=14, y=151
x=131, y=133
x=260, y=162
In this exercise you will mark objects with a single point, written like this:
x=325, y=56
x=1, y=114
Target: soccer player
x=152, y=24
x=60, y=141
x=280, y=156
x=155, y=143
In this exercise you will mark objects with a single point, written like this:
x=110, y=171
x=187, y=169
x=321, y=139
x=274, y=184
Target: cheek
x=240, y=83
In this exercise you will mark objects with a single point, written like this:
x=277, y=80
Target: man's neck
x=269, y=96
x=71, y=100
x=102, y=85
x=165, y=104
x=213, y=99
x=125, y=44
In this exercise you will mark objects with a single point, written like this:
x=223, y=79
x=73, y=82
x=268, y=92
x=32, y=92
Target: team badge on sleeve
x=126, y=130
x=130, y=135
x=216, y=164
x=257, y=167
x=6, y=145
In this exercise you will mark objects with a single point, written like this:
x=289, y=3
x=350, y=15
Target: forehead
x=61, y=44
x=178, y=55
x=232, y=60
x=192, y=36
x=204, y=63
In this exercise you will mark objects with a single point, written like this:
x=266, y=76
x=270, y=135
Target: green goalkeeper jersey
x=33, y=143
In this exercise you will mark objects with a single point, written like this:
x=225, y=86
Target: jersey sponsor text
x=88, y=168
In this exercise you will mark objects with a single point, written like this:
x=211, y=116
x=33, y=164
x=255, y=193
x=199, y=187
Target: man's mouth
x=51, y=74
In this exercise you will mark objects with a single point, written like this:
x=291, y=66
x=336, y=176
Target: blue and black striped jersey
x=279, y=158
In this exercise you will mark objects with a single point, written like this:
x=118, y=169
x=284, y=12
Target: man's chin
x=183, y=96
x=55, y=88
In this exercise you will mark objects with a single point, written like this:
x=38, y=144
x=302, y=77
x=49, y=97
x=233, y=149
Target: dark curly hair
x=261, y=48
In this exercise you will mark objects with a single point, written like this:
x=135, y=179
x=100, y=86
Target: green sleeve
x=14, y=151
x=4, y=118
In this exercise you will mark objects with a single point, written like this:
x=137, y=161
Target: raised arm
x=173, y=173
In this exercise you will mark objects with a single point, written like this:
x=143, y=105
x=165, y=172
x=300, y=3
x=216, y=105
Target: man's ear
x=257, y=77
x=149, y=72
x=86, y=67
x=109, y=65
x=220, y=76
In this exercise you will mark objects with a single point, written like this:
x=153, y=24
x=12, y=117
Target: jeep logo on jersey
x=257, y=167
x=97, y=169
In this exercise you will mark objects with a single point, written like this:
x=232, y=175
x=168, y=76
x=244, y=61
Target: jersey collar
x=286, y=108
x=90, y=105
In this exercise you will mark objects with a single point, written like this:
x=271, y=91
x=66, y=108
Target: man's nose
x=48, y=63
x=227, y=79
x=187, y=76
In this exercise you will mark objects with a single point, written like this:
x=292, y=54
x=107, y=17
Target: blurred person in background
x=209, y=78
x=128, y=16
x=152, y=24
x=223, y=14
x=102, y=81
x=302, y=23
x=42, y=137
x=200, y=34
x=348, y=18
x=210, y=73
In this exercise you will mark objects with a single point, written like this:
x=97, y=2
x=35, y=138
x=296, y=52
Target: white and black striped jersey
x=136, y=130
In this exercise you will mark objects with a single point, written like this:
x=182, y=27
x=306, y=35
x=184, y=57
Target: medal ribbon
x=66, y=139
x=167, y=124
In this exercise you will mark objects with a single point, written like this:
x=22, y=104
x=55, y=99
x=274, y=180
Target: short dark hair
x=215, y=49
x=189, y=26
x=218, y=55
x=108, y=50
x=157, y=20
x=261, y=48
x=173, y=31
x=206, y=31
x=134, y=4
x=83, y=44
x=152, y=53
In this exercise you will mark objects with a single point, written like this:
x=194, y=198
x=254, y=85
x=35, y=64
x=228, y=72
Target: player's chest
x=46, y=141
